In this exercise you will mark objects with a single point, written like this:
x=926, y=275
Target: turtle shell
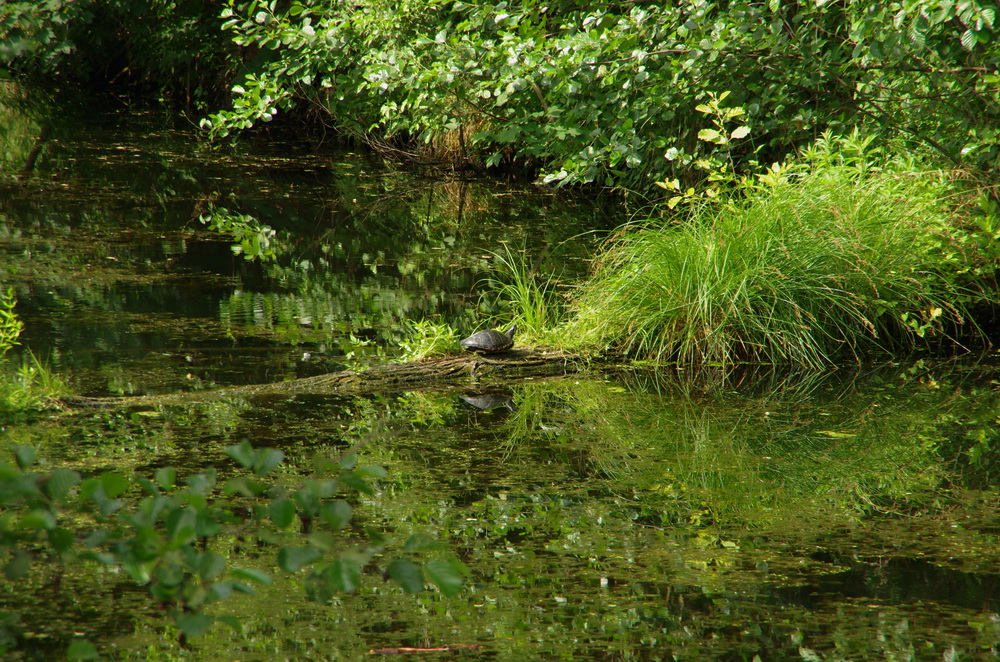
x=489, y=341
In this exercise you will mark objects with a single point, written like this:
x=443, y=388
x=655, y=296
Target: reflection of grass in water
x=794, y=450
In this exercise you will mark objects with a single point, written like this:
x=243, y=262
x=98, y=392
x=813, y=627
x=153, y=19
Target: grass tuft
x=831, y=262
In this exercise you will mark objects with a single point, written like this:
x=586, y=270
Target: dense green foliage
x=604, y=93
x=840, y=253
x=162, y=46
x=607, y=94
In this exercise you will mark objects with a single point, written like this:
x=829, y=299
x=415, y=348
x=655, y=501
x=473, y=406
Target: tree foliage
x=604, y=93
x=607, y=94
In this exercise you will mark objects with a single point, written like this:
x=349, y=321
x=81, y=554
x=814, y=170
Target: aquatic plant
x=10, y=325
x=531, y=299
x=427, y=338
x=819, y=261
x=28, y=384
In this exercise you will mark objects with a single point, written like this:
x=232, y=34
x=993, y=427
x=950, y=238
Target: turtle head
x=511, y=331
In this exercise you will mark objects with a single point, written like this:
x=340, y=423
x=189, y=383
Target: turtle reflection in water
x=490, y=341
x=488, y=401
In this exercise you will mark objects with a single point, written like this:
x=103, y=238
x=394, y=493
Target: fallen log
x=481, y=370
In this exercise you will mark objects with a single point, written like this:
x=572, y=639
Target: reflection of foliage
x=253, y=240
x=624, y=510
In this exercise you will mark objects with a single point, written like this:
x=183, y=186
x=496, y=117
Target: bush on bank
x=603, y=93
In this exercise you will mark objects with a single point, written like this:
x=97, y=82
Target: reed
x=832, y=262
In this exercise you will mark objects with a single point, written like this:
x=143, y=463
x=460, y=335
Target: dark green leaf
x=407, y=574
x=24, y=456
x=38, y=519
x=419, y=542
x=344, y=575
x=60, y=482
x=267, y=460
x=60, y=539
x=336, y=513
x=445, y=575
x=18, y=566
x=212, y=565
x=242, y=453
x=282, y=512
x=252, y=574
x=194, y=625
x=290, y=559
x=232, y=621
x=113, y=483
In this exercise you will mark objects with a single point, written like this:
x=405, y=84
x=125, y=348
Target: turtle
x=490, y=341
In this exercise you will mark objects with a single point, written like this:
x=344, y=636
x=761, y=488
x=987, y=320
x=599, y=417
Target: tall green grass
x=832, y=261
x=528, y=299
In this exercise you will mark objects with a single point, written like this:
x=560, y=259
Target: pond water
x=622, y=515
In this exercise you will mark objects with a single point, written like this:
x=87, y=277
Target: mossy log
x=414, y=376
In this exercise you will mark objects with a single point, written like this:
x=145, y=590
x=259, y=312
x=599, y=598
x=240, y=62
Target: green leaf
x=60, y=482
x=291, y=559
x=740, y=132
x=242, y=453
x=267, y=460
x=253, y=575
x=38, y=519
x=420, y=542
x=113, y=483
x=407, y=574
x=166, y=477
x=711, y=136
x=336, y=513
x=61, y=539
x=24, y=455
x=232, y=621
x=372, y=471
x=212, y=565
x=282, y=512
x=446, y=576
x=344, y=575
x=969, y=40
x=18, y=566
x=194, y=625
x=81, y=649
